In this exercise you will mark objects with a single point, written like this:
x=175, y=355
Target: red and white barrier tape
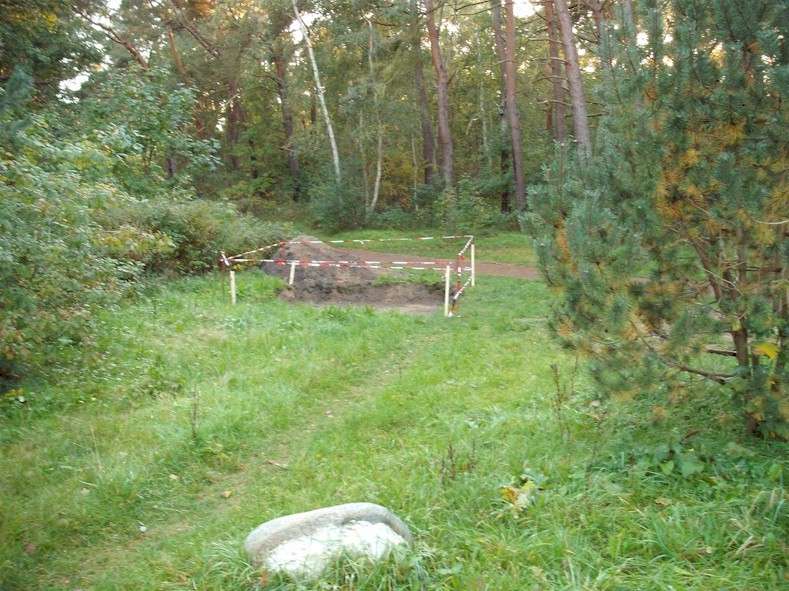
x=459, y=292
x=469, y=237
x=418, y=265
x=466, y=247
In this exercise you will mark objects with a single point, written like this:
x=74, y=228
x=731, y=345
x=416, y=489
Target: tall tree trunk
x=233, y=119
x=603, y=50
x=426, y=123
x=280, y=73
x=253, y=160
x=177, y=61
x=512, y=107
x=378, y=173
x=415, y=163
x=558, y=124
x=442, y=86
x=313, y=109
x=483, y=115
x=577, y=99
x=425, y=120
x=363, y=157
x=319, y=89
x=627, y=10
x=504, y=152
x=379, y=125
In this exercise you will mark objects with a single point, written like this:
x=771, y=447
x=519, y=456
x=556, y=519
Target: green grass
x=503, y=247
x=425, y=415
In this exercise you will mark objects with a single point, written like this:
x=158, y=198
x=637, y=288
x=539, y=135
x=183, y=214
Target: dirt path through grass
x=483, y=267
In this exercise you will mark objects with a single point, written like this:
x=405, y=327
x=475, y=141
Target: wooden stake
x=292, y=273
x=446, y=291
x=473, y=267
x=232, y=287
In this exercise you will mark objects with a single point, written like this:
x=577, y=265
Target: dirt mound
x=350, y=283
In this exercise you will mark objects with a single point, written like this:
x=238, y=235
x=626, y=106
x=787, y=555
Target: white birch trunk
x=380, y=131
x=319, y=88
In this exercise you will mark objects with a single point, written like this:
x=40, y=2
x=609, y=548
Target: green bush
x=73, y=238
x=53, y=271
x=336, y=206
x=465, y=210
x=186, y=236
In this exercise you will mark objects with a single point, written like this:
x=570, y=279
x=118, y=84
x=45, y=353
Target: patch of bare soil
x=349, y=285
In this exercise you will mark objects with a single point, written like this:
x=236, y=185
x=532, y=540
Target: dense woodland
x=642, y=145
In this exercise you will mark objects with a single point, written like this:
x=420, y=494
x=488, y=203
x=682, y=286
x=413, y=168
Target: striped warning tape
x=460, y=291
x=365, y=240
x=362, y=241
x=466, y=247
x=418, y=265
x=319, y=262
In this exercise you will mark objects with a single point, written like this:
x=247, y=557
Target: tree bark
x=379, y=125
x=442, y=86
x=319, y=89
x=513, y=118
x=280, y=76
x=425, y=120
x=504, y=152
x=234, y=116
x=627, y=10
x=179, y=64
x=558, y=124
x=577, y=99
x=115, y=37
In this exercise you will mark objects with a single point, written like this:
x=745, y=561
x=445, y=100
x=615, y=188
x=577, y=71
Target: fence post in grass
x=473, y=265
x=447, y=275
x=292, y=273
x=232, y=286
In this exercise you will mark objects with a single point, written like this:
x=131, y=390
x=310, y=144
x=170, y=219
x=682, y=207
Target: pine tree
x=669, y=248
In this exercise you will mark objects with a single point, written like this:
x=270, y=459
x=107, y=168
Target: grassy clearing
x=144, y=463
x=503, y=247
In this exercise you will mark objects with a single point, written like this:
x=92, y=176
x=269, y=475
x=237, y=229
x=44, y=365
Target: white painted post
x=473, y=267
x=292, y=273
x=446, y=291
x=232, y=287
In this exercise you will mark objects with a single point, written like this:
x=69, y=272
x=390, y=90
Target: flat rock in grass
x=304, y=544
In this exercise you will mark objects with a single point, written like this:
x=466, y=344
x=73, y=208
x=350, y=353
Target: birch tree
x=319, y=90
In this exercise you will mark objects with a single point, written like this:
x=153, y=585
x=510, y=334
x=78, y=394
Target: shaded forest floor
x=144, y=461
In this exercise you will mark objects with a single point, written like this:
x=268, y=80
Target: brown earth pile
x=382, y=288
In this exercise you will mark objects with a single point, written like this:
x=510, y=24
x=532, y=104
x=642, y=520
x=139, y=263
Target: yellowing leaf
x=767, y=349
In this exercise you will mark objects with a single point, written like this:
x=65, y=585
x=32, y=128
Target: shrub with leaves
x=466, y=210
x=78, y=224
x=52, y=274
x=669, y=246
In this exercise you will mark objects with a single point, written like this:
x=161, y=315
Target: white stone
x=304, y=544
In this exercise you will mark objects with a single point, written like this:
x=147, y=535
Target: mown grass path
x=144, y=464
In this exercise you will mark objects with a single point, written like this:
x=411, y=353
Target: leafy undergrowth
x=144, y=462
x=502, y=247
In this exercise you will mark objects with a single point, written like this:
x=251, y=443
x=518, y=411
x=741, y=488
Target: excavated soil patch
x=326, y=285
